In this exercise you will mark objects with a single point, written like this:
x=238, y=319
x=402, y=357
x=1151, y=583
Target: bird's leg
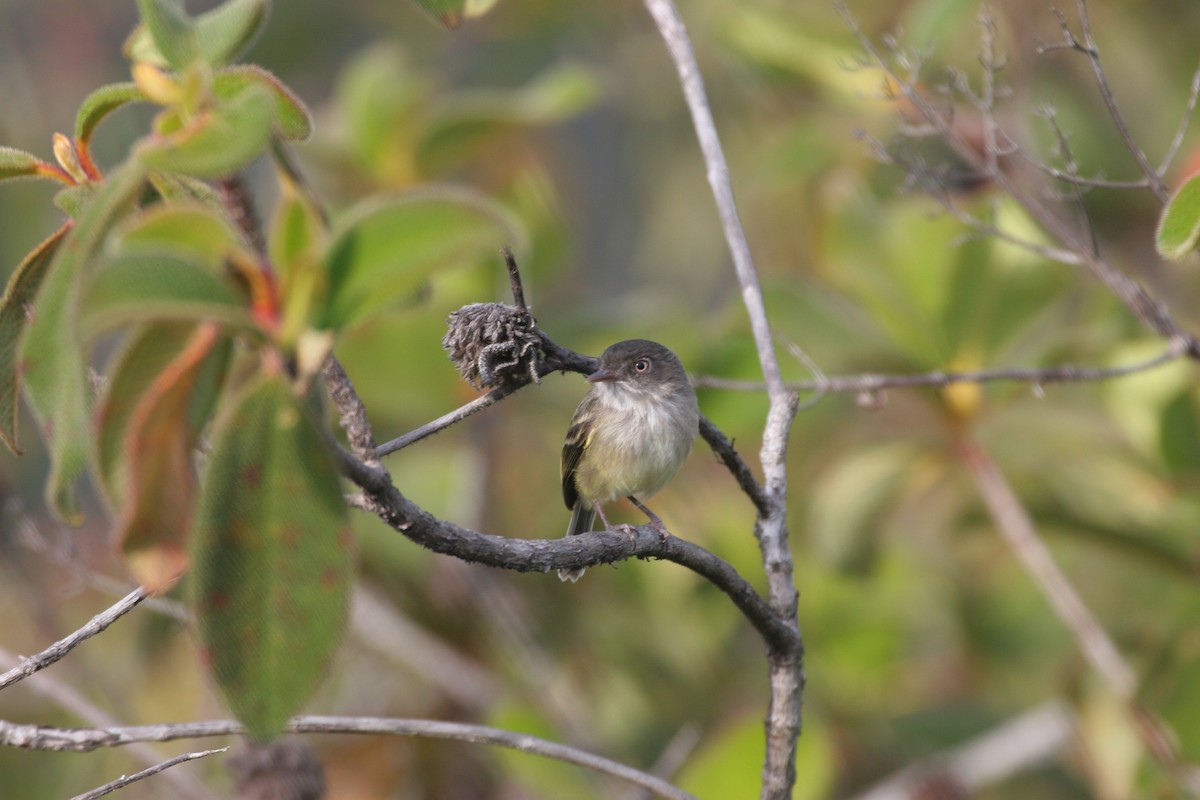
x=626, y=529
x=655, y=520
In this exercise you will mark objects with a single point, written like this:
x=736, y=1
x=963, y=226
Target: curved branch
x=34, y=737
x=588, y=550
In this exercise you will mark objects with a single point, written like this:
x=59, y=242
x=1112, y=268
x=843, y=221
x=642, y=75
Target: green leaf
x=137, y=287
x=102, y=102
x=139, y=46
x=222, y=141
x=467, y=120
x=384, y=249
x=183, y=189
x=271, y=555
x=1179, y=434
x=158, y=451
x=14, y=313
x=226, y=31
x=145, y=356
x=71, y=200
x=296, y=243
x=292, y=118
x=191, y=229
x=170, y=30
x=56, y=383
x=379, y=95
x=1179, y=227
x=16, y=163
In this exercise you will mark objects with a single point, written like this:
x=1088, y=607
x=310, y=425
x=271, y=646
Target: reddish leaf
x=159, y=446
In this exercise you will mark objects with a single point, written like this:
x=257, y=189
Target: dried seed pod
x=493, y=344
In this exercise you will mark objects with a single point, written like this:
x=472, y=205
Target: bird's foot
x=655, y=520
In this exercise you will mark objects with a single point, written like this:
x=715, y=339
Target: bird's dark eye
x=642, y=365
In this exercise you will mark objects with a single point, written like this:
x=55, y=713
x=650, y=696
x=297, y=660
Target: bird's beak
x=602, y=375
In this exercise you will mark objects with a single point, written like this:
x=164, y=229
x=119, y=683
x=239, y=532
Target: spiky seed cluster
x=493, y=344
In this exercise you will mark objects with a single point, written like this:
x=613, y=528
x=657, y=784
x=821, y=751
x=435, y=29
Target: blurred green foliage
x=921, y=628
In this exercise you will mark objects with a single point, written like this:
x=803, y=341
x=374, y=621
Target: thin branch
x=68, y=698
x=723, y=447
x=1092, y=51
x=785, y=665
x=34, y=737
x=1145, y=308
x=934, y=184
x=870, y=383
x=514, y=279
x=556, y=359
x=672, y=758
x=383, y=629
x=1017, y=744
x=1063, y=146
x=56, y=651
x=674, y=34
x=236, y=198
x=1014, y=524
x=1184, y=123
x=125, y=780
x=481, y=403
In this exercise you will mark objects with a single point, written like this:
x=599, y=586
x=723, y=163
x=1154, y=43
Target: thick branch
x=34, y=737
x=597, y=547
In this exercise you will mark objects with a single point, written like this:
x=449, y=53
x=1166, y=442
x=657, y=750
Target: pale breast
x=638, y=447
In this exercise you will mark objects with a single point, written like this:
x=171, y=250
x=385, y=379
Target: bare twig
x=786, y=666
x=383, y=629
x=236, y=198
x=875, y=382
x=1145, y=308
x=34, y=737
x=125, y=780
x=1014, y=524
x=514, y=279
x=1089, y=48
x=673, y=756
x=56, y=651
x=68, y=698
x=481, y=403
x=1033, y=737
x=933, y=183
x=1184, y=123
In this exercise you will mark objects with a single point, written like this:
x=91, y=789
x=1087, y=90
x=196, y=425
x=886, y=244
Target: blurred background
x=922, y=629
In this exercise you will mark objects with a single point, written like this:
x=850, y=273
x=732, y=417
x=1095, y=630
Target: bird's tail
x=582, y=517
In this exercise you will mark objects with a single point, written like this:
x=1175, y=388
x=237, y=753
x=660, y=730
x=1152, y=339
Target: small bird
x=630, y=435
